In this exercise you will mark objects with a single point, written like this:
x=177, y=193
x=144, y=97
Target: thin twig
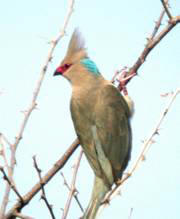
x=157, y=25
x=43, y=195
x=146, y=145
x=3, y=153
x=165, y=5
x=130, y=214
x=45, y=179
x=22, y=216
x=75, y=194
x=33, y=103
x=153, y=43
x=154, y=32
x=148, y=48
x=65, y=181
x=73, y=189
x=11, y=184
x=5, y=139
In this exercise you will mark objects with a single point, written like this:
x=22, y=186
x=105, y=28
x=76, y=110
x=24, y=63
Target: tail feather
x=100, y=189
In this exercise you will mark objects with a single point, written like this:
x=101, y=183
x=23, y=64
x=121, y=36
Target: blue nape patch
x=90, y=65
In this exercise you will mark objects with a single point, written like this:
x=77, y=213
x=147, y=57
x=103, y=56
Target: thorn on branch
x=143, y=158
x=165, y=112
x=53, y=42
x=24, y=111
x=167, y=94
x=105, y=202
x=119, y=193
x=156, y=132
x=149, y=40
x=18, y=138
x=45, y=68
x=50, y=59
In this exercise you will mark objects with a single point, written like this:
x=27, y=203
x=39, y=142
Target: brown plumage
x=101, y=119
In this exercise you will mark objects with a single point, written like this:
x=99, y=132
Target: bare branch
x=130, y=214
x=148, y=48
x=7, y=189
x=65, y=181
x=11, y=184
x=33, y=103
x=146, y=145
x=165, y=5
x=5, y=139
x=37, y=187
x=75, y=194
x=157, y=26
x=151, y=44
x=3, y=154
x=22, y=216
x=43, y=196
x=73, y=189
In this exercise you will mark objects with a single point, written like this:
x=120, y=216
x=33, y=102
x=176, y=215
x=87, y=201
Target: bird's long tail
x=99, y=191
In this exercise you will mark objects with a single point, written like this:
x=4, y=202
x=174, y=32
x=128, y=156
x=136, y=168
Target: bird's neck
x=86, y=87
x=79, y=77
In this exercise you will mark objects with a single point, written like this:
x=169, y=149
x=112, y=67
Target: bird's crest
x=76, y=49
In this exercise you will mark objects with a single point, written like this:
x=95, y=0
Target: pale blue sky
x=115, y=33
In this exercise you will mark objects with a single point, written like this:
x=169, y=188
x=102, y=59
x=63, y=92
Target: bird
x=101, y=117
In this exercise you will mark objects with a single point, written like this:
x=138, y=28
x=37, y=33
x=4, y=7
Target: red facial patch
x=61, y=69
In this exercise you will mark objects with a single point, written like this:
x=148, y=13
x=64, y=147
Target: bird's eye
x=66, y=66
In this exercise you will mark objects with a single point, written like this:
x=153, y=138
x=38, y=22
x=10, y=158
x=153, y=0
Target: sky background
x=115, y=33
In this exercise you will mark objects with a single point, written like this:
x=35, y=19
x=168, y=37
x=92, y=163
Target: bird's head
x=76, y=51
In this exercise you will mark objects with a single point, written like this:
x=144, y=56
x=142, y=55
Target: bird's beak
x=56, y=73
x=61, y=69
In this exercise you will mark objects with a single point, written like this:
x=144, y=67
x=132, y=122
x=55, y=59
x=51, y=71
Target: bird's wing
x=83, y=124
x=113, y=128
x=104, y=131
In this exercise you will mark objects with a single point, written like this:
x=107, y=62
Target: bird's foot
x=123, y=79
